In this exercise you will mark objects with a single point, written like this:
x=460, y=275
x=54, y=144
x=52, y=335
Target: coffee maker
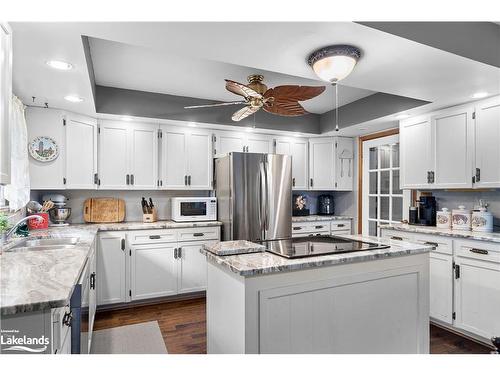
x=325, y=204
x=427, y=210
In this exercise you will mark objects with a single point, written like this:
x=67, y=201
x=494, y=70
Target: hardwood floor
x=183, y=327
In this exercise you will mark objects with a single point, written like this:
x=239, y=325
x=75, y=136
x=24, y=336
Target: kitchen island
x=373, y=301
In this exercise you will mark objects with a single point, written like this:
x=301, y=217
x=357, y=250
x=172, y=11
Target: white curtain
x=18, y=192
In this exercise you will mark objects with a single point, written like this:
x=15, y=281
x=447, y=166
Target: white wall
x=133, y=209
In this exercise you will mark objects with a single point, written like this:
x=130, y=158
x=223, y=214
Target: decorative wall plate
x=43, y=149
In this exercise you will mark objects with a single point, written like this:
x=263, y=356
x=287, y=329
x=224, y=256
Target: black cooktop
x=301, y=247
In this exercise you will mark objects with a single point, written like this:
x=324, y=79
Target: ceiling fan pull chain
x=336, y=107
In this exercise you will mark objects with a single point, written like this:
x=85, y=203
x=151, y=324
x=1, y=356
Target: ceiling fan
x=280, y=100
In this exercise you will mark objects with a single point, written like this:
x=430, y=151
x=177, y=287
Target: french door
x=381, y=193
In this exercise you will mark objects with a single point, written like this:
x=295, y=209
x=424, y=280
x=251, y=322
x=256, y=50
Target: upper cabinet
x=186, y=158
x=453, y=148
x=128, y=155
x=5, y=98
x=487, y=144
x=226, y=142
x=298, y=149
x=331, y=163
x=81, y=152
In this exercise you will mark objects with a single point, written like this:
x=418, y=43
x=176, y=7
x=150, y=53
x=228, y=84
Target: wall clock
x=43, y=149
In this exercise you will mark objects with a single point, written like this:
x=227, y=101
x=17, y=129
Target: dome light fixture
x=334, y=63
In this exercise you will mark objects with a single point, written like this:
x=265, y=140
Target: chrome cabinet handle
x=479, y=251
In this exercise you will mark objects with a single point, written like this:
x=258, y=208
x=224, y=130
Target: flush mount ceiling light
x=402, y=116
x=126, y=118
x=73, y=98
x=61, y=65
x=479, y=95
x=334, y=63
x=192, y=125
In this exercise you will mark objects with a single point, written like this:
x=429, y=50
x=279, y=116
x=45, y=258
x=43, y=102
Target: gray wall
x=133, y=210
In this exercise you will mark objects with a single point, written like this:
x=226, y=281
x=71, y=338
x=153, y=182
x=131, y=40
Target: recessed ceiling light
x=297, y=135
x=126, y=118
x=73, y=98
x=363, y=128
x=249, y=130
x=61, y=65
x=479, y=95
x=192, y=124
x=403, y=116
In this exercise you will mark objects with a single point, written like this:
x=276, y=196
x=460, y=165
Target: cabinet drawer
x=151, y=236
x=441, y=244
x=479, y=250
x=199, y=234
x=341, y=225
x=310, y=227
x=340, y=232
x=396, y=235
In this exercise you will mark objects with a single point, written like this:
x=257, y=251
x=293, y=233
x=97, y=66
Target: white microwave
x=194, y=209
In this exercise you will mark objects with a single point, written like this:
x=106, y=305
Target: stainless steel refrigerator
x=254, y=196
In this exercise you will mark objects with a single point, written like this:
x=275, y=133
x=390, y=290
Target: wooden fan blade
x=214, y=105
x=244, y=112
x=284, y=108
x=241, y=89
x=294, y=92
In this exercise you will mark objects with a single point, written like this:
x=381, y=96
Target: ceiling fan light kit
x=334, y=63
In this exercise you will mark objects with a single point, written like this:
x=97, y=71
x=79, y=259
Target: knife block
x=150, y=218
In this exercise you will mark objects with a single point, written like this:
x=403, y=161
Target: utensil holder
x=33, y=223
x=150, y=218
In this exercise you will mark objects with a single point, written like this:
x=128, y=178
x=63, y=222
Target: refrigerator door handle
x=262, y=178
x=266, y=196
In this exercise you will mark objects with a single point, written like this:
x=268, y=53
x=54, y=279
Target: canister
x=482, y=220
x=461, y=218
x=443, y=219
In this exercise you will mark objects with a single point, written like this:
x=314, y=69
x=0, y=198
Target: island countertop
x=32, y=280
x=301, y=219
x=265, y=262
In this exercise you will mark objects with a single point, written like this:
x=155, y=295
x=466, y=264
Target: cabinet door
x=344, y=164
x=228, y=142
x=5, y=98
x=199, y=160
x=259, y=143
x=113, y=155
x=173, y=158
x=49, y=123
x=192, y=267
x=415, y=152
x=299, y=164
x=111, y=267
x=452, y=149
x=284, y=147
x=441, y=287
x=477, y=302
x=153, y=271
x=93, y=292
x=81, y=152
x=321, y=163
x=143, y=156
x=487, y=141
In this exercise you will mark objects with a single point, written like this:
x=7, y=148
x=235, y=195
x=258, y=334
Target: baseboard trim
x=151, y=301
x=463, y=334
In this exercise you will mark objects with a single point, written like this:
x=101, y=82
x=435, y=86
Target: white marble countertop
x=319, y=218
x=234, y=247
x=32, y=280
x=481, y=236
x=265, y=263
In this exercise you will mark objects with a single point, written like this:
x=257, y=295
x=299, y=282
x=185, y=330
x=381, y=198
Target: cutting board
x=104, y=210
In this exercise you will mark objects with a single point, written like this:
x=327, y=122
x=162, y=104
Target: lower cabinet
x=441, y=287
x=323, y=227
x=146, y=264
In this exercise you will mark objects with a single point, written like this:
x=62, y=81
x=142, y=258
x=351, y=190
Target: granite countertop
x=319, y=218
x=32, y=280
x=234, y=247
x=482, y=236
x=266, y=263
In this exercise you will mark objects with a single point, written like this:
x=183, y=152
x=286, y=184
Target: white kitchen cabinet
x=5, y=99
x=153, y=271
x=128, y=155
x=192, y=268
x=344, y=164
x=186, y=158
x=441, y=287
x=81, y=152
x=48, y=123
x=486, y=144
x=111, y=268
x=226, y=142
x=415, y=152
x=298, y=149
x=452, y=148
x=321, y=163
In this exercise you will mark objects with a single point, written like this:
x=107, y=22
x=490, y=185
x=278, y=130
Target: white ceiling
x=389, y=63
x=138, y=68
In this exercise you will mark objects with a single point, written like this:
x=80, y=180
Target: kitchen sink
x=46, y=244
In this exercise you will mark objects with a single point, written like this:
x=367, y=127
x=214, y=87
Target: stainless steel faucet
x=16, y=225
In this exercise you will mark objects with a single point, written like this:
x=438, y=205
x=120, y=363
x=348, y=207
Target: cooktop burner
x=318, y=245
